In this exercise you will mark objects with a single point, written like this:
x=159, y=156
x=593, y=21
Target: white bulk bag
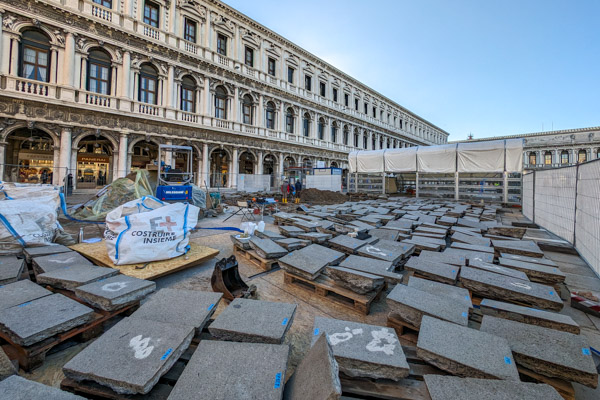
x=27, y=223
x=148, y=229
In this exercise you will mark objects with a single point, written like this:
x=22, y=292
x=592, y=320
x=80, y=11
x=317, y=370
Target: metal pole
x=575, y=211
x=383, y=182
x=356, y=182
x=456, y=186
x=505, y=189
x=417, y=184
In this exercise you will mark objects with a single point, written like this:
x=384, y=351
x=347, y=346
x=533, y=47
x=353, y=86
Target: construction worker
x=298, y=190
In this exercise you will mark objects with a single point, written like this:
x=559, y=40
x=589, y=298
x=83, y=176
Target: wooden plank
x=98, y=254
x=255, y=259
x=407, y=389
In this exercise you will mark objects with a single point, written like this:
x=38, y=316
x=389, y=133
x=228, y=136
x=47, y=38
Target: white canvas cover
x=437, y=159
x=370, y=161
x=485, y=156
x=352, y=162
x=401, y=160
x=514, y=155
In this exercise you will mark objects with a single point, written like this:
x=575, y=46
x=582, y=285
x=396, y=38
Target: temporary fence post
x=417, y=184
x=505, y=188
x=456, y=186
x=383, y=182
x=533, y=197
x=356, y=182
x=575, y=211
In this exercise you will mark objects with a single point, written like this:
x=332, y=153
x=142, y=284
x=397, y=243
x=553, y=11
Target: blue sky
x=489, y=67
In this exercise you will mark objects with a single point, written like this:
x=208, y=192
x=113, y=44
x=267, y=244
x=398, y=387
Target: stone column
x=205, y=165
x=168, y=155
x=73, y=168
x=122, y=170
x=260, y=163
x=53, y=64
x=2, y=151
x=281, y=158
x=259, y=120
x=64, y=155
x=14, y=56
x=235, y=169
x=68, y=68
x=281, y=126
x=125, y=92
x=206, y=108
x=171, y=92
x=199, y=182
x=236, y=105
x=5, y=40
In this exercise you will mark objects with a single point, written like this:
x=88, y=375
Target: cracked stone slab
x=166, y=306
x=346, y=244
x=546, y=351
x=506, y=288
x=71, y=277
x=317, y=375
x=32, y=252
x=529, y=315
x=291, y=244
x=20, y=292
x=266, y=248
x=520, y=247
x=464, y=351
x=18, y=388
x=315, y=237
x=266, y=234
x=363, y=350
x=382, y=250
x=131, y=356
x=470, y=255
x=498, y=270
x=31, y=322
x=55, y=261
x=242, y=371
x=256, y=321
x=535, y=260
x=310, y=261
x=440, y=289
x=410, y=305
x=535, y=272
x=445, y=257
x=290, y=231
x=440, y=272
x=115, y=292
x=451, y=387
x=11, y=269
x=372, y=266
x=357, y=281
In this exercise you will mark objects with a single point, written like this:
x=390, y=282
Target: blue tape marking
x=468, y=298
x=551, y=293
x=586, y=351
x=533, y=309
x=12, y=230
x=164, y=357
x=120, y=236
x=277, y=384
x=211, y=306
x=464, y=314
x=453, y=271
x=507, y=360
x=24, y=304
x=284, y=322
x=316, y=331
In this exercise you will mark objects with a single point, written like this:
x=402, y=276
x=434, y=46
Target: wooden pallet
x=564, y=388
x=404, y=330
x=254, y=258
x=30, y=357
x=326, y=287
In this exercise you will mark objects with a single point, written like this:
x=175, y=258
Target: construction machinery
x=175, y=175
x=226, y=279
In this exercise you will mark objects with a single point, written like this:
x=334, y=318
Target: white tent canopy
x=400, y=160
x=481, y=156
x=437, y=159
x=370, y=161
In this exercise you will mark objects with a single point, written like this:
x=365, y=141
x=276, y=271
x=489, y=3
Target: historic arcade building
x=91, y=87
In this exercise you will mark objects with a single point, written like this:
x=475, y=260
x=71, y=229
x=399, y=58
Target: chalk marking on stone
x=140, y=347
x=375, y=250
x=68, y=260
x=377, y=344
x=114, y=287
x=521, y=285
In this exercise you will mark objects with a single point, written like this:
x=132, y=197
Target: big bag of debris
x=27, y=223
x=148, y=229
x=14, y=191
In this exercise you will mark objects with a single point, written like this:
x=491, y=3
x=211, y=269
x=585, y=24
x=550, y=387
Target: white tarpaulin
x=437, y=159
x=477, y=157
x=352, y=162
x=514, y=155
x=401, y=160
x=370, y=161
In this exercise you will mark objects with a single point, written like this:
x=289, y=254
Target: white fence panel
x=554, y=199
x=253, y=183
x=324, y=182
x=528, y=196
x=587, y=227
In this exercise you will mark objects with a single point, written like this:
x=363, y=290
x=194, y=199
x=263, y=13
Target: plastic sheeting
x=478, y=157
x=514, y=155
x=370, y=161
x=587, y=227
x=352, y=162
x=437, y=159
x=401, y=160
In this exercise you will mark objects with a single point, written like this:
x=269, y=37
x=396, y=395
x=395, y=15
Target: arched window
x=289, y=120
x=306, y=125
x=334, y=129
x=188, y=94
x=548, y=158
x=532, y=158
x=220, y=102
x=270, y=117
x=99, y=72
x=148, y=84
x=564, y=157
x=321, y=129
x=247, y=104
x=582, y=156
x=35, y=56
x=346, y=135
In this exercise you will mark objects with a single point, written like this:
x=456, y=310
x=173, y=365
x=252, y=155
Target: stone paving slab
x=421, y=244
x=357, y=281
x=445, y=257
x=521, y=247
x=382, y=250
x=470, y=255
x=369, y=265
x=386, y=234
x=18, y=388
x=115, y=292
x=315, y=237
x=499, y=270
x=535, y=272
x=505, y=288
x=535, y=260
x=11, y=269
x=180, y=307
x=317, y=375
x=239, y=242
x=243, y=371
x=472, y=247
x=464, y=351
x=256, y=321
x=290, y=231
x=31, y=322
x=32, y=252
x=20, y=292
x=440, y=272
x=71, y=277
x=310, y=261
x=529, y=315
x=291, y=244
x=363, y=350
x=468, y=239
x=266, y=234
x=51, y=262
x=546, y=351
x=266, y=248
x=306, y=226
x=346, y=244
x=451, y=387
x=410, y=305
x=442, y=290
x=131, y=356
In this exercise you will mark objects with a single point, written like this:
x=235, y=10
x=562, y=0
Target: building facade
x=91, y=87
